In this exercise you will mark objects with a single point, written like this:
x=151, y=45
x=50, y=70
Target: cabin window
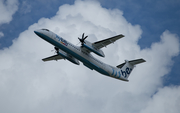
x=45, y=29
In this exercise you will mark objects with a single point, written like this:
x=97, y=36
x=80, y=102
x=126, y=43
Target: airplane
x=73, y=53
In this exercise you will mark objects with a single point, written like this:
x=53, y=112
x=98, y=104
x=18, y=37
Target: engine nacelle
x=68, y=57
x=89, y=46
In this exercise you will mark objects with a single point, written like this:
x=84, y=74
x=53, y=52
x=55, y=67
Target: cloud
x=25, y=7
x=1, y=34
x=29, y=85
x=167, y=98
x=7, y=9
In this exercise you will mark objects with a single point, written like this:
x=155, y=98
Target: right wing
x=54, y=57
x=104, y=43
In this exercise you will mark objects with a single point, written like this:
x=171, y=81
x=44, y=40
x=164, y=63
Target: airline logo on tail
x=126, y=72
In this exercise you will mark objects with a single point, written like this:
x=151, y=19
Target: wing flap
x=54, y=57
x=104, y=43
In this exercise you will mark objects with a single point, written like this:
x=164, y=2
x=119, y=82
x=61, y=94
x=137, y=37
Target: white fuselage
x=77, y=52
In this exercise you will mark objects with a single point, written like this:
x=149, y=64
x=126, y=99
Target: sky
x=27, y=84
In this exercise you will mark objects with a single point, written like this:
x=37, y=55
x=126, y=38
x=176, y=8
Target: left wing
x=54, y=57
x=104, y=43
x=62, y=55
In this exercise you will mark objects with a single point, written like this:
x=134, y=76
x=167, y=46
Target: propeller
x=82, y=39
x=56, y=50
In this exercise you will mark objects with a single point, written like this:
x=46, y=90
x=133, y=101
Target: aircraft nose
x=35, y=32
x=38, y=32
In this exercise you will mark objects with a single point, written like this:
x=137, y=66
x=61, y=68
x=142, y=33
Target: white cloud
x=7, y=9
x=167, y=98
x=1, y=34
x=29, y=85
x=25, y=8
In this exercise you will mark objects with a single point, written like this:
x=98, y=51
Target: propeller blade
x=82, y=39
x=56, y=49
x=85, y=37
x=77, y=43
x=82, y=35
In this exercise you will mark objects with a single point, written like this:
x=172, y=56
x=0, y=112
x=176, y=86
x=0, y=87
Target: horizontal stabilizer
x=132, y=62
x=54, y=57
x=138, y=61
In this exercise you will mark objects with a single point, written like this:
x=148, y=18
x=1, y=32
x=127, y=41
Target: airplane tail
x=127, y=67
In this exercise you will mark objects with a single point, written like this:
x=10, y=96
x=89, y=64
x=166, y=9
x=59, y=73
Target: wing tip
x=122, y=35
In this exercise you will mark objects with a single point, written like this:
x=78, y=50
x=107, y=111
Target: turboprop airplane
x=66, y=50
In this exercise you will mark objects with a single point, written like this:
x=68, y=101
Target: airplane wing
x=104, y=43
x=54, y=57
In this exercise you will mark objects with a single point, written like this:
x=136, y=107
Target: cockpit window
x=45, y=29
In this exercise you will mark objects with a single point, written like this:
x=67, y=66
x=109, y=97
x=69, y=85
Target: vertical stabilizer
x=127, y=67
